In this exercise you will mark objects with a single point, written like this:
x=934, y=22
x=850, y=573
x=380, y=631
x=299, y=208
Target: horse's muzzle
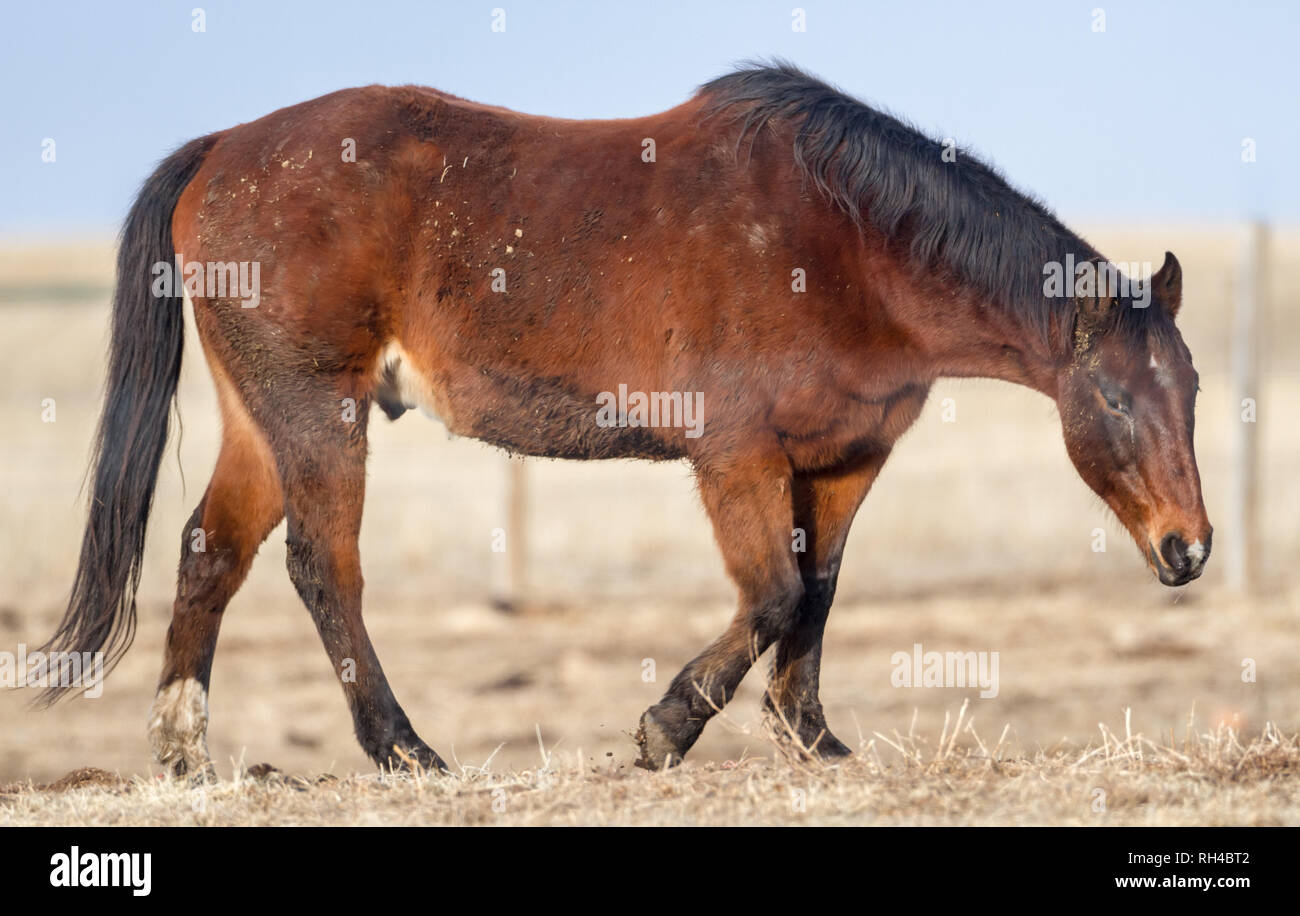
x=1177, y=562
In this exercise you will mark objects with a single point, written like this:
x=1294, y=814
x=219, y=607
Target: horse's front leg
x=824, y=507
x=749, y=502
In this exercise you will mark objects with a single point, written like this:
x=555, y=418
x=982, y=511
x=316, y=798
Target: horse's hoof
x=178, y=725
x=810, y=736
x=658, y=750
x=828, y=747
x=418, y=758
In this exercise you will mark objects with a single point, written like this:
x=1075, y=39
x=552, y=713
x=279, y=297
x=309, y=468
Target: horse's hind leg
x=749, y=503
x=241, y=506
x=824, y=507
x=322, y=457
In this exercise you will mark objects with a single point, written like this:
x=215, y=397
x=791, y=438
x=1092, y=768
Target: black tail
x=143, y=367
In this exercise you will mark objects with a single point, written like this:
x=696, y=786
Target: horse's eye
x=1116, y=405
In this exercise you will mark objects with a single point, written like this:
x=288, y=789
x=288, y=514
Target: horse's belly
x=527, y=415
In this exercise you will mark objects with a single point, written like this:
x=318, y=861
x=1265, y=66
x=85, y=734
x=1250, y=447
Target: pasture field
x=1118, y=701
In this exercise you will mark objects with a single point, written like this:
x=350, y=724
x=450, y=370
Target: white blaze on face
x=1162, y=374
x=1195, y=552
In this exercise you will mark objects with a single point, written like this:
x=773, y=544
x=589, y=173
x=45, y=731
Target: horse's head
x=1127, y=399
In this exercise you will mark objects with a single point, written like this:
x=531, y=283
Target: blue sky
x=1143, y=121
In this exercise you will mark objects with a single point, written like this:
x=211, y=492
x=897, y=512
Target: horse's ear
x=1095, y=297
x=1090, y=314
x=1167, y=284
x=1096, y=300
x=1093, y=310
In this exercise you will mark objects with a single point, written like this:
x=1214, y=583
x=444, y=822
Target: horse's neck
x=964, y=338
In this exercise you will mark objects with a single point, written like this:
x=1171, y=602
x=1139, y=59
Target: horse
x=804, y=265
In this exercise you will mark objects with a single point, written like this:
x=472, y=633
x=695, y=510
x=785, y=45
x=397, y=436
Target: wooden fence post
x=511, y=589
x=1242, y=561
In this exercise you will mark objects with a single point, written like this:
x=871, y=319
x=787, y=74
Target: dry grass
x=978, y=537
x=1205, y=778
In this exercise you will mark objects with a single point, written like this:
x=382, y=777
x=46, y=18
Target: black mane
x=958, y=217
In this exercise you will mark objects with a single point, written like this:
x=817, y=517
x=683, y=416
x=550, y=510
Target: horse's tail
x=143, y=367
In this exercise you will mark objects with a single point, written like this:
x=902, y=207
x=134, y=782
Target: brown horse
x=794, y=264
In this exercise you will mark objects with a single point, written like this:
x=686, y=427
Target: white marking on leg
x=178, y=727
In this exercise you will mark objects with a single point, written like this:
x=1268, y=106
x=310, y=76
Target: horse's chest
x=826, y=427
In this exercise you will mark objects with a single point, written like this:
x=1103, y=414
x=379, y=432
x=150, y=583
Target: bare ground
x=952, y=779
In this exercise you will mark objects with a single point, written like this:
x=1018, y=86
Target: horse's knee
x=795, y=667
x=776, y=613
x=818, y=594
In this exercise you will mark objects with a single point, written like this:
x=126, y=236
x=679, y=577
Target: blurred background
x=1149, y=127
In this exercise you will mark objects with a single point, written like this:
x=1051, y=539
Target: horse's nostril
x=1173, y=550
